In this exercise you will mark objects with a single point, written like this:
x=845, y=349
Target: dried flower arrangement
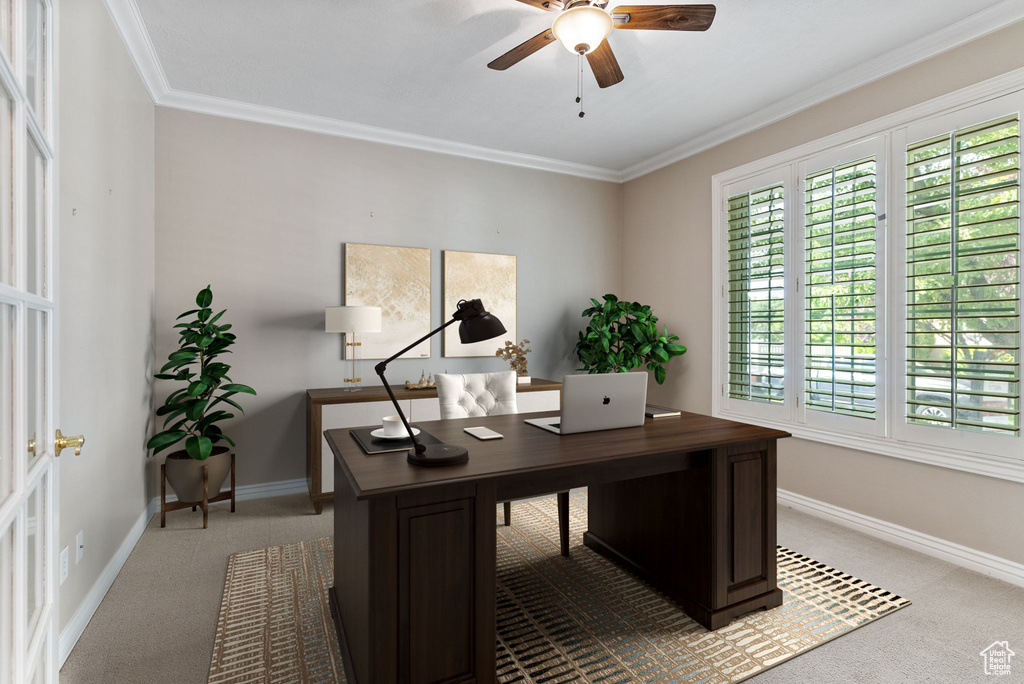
x=516, y=353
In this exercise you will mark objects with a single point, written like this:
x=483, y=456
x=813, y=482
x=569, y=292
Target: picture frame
x=492, y=278
x=398, y=280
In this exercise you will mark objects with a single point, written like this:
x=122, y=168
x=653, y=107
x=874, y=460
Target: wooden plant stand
x=204, y=504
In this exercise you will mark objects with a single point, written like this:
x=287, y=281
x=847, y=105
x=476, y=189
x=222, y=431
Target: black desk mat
x=373, y=446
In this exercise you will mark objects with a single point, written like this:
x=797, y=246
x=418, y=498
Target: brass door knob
x=60, y=442
x=32, y=446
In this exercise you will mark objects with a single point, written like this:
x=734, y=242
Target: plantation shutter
x=963, y=279
x=840, y=289
x=756, y=296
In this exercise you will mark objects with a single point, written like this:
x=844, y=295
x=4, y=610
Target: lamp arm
x=383, y=365
x=416, y=444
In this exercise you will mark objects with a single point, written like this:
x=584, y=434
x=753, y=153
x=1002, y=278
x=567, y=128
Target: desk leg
x=706, y=535
x=414, y=596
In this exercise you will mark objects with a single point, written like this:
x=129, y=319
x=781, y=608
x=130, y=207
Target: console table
x=687, y=503
x=330, y=408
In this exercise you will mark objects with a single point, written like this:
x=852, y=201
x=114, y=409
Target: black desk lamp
x=476, y=325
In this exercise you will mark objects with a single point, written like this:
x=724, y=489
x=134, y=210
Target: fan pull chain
x=579, y=83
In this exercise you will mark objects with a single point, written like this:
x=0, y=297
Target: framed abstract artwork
x=397, y=279
x=488, y=277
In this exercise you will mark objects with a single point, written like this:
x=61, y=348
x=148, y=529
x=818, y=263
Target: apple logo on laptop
x=606, y=401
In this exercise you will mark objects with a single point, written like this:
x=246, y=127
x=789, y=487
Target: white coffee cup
x=392, y=426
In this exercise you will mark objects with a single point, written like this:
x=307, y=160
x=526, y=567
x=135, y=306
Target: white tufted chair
x=490, y=394
x=476, y=394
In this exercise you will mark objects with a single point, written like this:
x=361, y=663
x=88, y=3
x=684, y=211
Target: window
x=963, y=279
x=756, y=290
x=889, y=295
x=839, y=324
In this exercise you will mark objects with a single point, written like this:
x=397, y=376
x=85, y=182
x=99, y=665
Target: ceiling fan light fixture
x=582, y=29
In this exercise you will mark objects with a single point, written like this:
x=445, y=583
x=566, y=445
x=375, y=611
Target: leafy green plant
x=622, y=336
x=190, y=413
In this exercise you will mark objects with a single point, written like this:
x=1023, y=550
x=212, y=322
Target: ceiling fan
x=583, y=26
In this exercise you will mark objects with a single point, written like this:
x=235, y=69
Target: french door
x=28, y=505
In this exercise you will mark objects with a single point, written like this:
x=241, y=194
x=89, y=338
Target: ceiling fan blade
x=549, y=5
x=664, y=17
x=523, y=51
x=605, y=66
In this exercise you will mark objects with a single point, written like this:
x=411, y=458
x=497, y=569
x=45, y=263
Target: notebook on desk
x=602, y=401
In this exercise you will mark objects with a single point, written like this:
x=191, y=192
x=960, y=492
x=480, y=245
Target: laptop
x=603, y=401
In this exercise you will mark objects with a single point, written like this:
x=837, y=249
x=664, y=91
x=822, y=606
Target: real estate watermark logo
x=996, y=658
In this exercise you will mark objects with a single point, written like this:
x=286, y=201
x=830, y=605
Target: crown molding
x=207, y=104
x=973, y=27
x=130, y=25
x=128, y=21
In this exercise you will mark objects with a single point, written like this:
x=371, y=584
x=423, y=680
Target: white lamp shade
x=352, y=319
x=582, y=26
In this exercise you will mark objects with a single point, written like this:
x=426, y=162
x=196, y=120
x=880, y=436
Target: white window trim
x=895, y=444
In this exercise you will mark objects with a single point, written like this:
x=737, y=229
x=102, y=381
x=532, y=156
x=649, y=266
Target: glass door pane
x=6, y=7
x=6, y=605
x=6, y=188
x=34, y=559
x=7, y=351
x=35, y=219
x=35, y=56
x=39, y=674
x=35, y=379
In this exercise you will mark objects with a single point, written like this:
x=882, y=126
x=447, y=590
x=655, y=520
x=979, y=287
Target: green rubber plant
x=622, y=336
x=190, y=413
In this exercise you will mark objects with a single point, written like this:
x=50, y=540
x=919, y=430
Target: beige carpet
x=577, y=619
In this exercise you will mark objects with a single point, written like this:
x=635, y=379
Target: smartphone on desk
x=483, y=433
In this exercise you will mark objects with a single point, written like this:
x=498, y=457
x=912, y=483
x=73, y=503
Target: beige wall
x=667, y=262
x=106, y=222
x=261, y=213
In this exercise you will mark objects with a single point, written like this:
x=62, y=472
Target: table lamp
x=351, y=320
x=475, y=325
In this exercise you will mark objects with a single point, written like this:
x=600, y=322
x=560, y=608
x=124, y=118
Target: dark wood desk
x=686, y=503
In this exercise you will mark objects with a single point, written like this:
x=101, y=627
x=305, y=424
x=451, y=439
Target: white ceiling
x=419, y=66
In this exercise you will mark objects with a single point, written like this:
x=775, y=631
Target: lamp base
x=439, y=455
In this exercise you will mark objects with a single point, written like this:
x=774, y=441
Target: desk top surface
x=526, y=448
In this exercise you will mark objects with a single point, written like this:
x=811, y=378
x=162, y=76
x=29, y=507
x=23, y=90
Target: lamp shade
x=352, y=319
x=477, y=324
x=582, y=29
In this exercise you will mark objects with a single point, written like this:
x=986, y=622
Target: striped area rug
x=579, y=619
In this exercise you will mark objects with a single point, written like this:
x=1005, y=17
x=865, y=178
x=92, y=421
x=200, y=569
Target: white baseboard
x=966, y=557
x=70, y=635
x=264, y=490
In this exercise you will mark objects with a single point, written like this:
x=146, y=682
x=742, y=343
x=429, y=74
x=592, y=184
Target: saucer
x=379, y=434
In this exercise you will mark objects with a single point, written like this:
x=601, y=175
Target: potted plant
x=622, y=336
x=193, y=413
